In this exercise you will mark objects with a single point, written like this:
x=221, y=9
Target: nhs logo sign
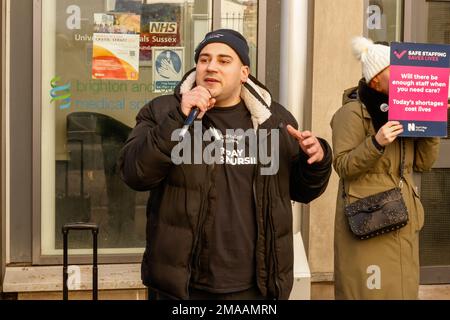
x=164, y=27
x=411, y=127
x=417, y=128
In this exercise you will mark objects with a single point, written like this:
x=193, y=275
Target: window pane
x=435, y=235
x=85, y=121
x=439, y=22
x=234, y=14
x=439, y=25
x=385, y=20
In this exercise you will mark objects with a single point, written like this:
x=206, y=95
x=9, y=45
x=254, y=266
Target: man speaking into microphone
x=221, y=230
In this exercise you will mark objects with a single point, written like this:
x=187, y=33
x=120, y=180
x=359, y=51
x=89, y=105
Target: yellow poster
x=116, y=43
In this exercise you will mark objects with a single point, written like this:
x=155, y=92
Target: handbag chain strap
x=402, y=163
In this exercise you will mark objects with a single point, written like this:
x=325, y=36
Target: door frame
x=37, y=257
x=415, y=30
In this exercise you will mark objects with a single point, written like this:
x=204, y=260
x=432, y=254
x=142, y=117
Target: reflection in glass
x=85, y=122
x=435, y=235
x=242, y=16
x=439, y=22
x=385, y=20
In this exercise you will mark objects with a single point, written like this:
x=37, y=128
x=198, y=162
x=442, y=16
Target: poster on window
x=115, y=54
x=160, y=27
x=168, y=68
x=419, y=86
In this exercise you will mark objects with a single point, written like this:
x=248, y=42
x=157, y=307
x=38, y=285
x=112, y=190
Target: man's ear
x=245, y=72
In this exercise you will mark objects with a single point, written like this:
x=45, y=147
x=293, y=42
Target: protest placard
x=418, y=91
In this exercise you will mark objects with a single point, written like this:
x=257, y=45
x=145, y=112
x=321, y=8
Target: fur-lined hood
x=255, y=95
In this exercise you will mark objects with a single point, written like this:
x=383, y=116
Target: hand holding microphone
x=194, y=104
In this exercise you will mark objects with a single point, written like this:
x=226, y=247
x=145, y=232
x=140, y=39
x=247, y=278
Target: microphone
x=188, y=122
x=193, y=114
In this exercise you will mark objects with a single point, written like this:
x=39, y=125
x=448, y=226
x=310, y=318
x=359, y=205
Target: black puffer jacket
x=182, y=195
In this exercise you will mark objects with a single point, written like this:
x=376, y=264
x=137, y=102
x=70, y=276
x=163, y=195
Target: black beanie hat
x=229, y=37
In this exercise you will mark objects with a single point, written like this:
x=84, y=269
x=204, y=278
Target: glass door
x=98, y=63
x=429, y=22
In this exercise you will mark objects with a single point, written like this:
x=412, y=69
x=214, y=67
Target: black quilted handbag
x=379, y=213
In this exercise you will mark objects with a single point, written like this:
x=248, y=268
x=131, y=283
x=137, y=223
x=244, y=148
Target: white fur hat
x=374, y=57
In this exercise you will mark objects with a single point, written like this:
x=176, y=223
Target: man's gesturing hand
x=198, y=97
x=308, y=143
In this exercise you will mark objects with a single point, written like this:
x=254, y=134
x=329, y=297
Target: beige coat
x=386, y=266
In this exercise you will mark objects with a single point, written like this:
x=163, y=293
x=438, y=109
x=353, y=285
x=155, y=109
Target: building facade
x=64, y=120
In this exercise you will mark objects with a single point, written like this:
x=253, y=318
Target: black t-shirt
x=227, y=257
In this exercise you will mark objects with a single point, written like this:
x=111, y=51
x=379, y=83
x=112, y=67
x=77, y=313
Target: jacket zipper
x=274, y=254
x=255, y=197
x=195, y=257
x=196, y=248
x=202, y=220
x=272, y=228
x=203, y=215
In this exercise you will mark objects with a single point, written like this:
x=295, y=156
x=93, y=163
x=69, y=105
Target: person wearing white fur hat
x=368, y=157
x=222, y=229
